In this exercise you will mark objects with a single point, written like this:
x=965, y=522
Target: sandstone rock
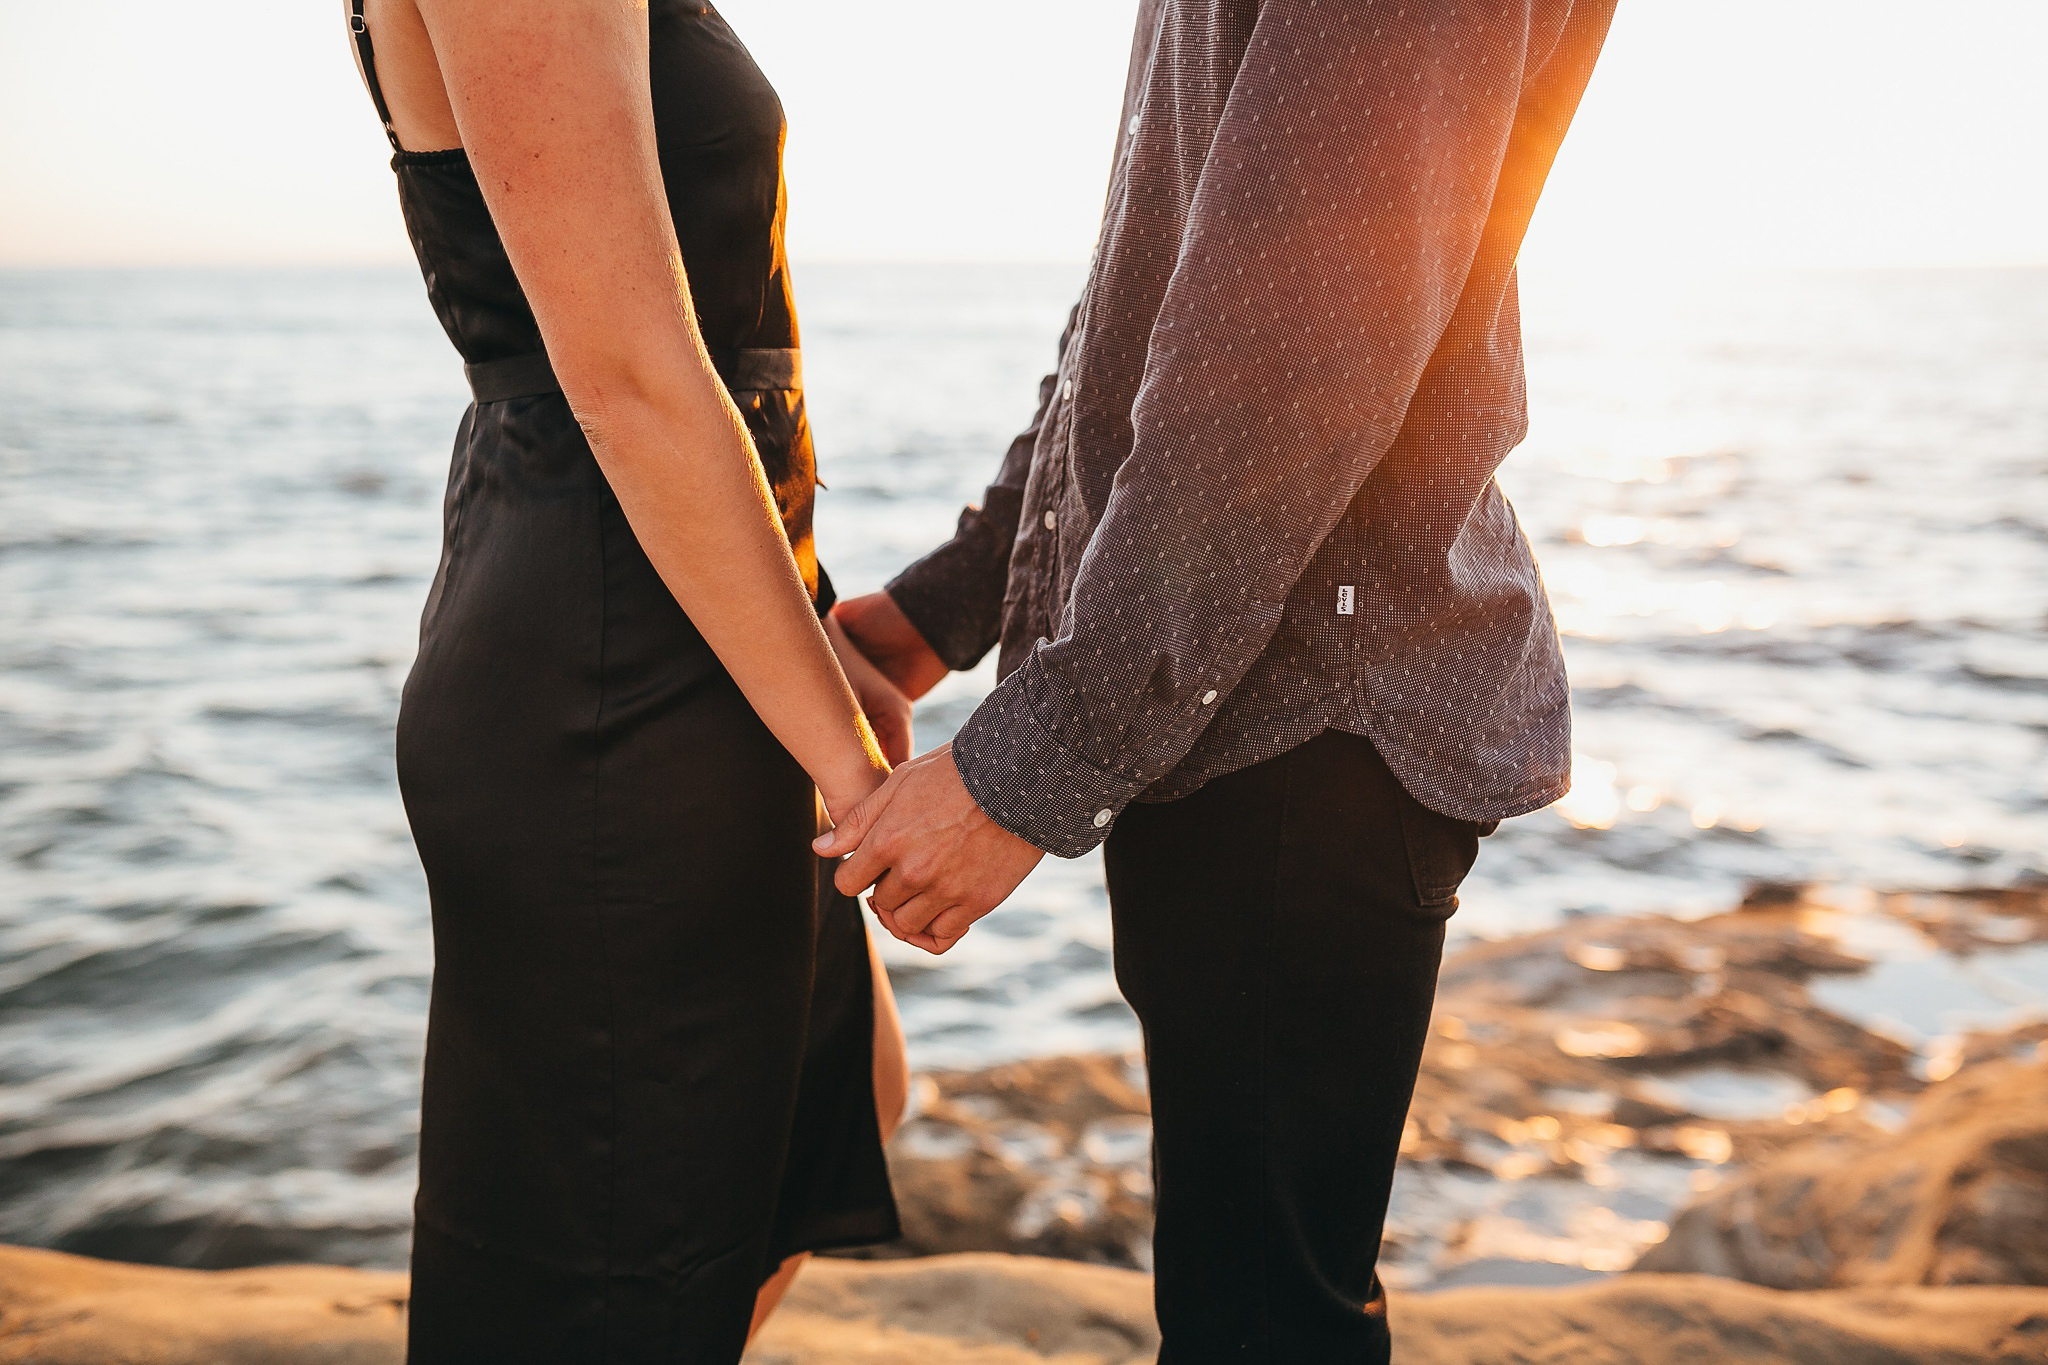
x=962, y=1310
x=1687, y=1320
x=67, y=1310
x=1010, y=1310
x=1580, y=1085
x=1049, y=1157
x=1001, y=1310
x=1960, y=1196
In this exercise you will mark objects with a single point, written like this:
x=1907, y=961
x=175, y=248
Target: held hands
x=936, y=862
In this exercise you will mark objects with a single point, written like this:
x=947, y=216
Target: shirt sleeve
x=1332, y=231
x=954, y=595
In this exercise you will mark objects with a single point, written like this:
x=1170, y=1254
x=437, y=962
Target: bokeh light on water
x=1796, y=528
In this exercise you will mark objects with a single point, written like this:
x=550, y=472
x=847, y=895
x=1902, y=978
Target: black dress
x=649, y=1051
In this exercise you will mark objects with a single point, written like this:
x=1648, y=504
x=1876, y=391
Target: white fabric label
x=1347, y=601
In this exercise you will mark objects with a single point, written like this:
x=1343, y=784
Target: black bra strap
x=366, y=59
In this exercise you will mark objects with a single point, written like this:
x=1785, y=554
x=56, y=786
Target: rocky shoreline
x=1015, y=1310
x=1679, y=1099
x=1001, y=1310
x=1581, y=1087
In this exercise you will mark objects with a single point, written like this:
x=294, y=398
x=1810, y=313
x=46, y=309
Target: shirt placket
x=1072, y=371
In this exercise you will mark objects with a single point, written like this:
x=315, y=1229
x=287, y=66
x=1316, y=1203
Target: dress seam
x=603, y=928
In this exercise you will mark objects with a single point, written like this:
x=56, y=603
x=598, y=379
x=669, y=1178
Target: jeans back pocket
x=1441, y=851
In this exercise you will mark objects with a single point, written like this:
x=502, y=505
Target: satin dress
x=649, y=1049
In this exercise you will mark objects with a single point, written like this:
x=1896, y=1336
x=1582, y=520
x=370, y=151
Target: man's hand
x=937, y=864
x=888, y=710
x=881, y=631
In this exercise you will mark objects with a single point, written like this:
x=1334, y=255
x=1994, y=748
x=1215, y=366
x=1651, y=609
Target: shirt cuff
x=1026, y=780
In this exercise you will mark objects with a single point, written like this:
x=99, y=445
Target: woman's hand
x=887, y=709
x=844, y=790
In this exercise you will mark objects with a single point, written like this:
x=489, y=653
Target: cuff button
x=1208, y=699
x=1102, y=817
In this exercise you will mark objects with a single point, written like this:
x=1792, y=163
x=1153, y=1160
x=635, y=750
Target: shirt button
x=1102, y=818
x=1052, y=521
x=1208, y=699
x=1067, y=389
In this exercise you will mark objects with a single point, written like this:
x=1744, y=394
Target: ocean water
x=1795, y=526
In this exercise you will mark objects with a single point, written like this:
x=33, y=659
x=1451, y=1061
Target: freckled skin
x=552, y=102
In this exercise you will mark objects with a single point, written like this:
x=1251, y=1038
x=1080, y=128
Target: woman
x=659, y=1043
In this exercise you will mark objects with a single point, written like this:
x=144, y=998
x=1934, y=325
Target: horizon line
x=1573, y=265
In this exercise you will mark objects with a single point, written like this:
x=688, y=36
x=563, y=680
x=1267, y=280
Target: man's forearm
x=954, y=595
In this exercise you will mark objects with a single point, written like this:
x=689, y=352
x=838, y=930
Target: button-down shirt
x=1258, y=500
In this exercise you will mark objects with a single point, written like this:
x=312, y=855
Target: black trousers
x=1279, y=934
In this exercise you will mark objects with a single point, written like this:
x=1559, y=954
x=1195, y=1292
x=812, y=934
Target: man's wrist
x=989, y=809
x=1030, y=783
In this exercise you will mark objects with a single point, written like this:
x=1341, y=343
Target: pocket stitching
x=1423, y=869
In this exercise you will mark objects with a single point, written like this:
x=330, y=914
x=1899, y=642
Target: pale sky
x=1718, y=132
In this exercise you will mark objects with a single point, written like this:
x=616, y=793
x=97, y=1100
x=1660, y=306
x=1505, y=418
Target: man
x=1268, y=627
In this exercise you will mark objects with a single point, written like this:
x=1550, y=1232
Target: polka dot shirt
x=1258, y=500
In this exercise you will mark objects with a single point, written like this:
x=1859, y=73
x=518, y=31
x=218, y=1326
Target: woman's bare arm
x=551, y=98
